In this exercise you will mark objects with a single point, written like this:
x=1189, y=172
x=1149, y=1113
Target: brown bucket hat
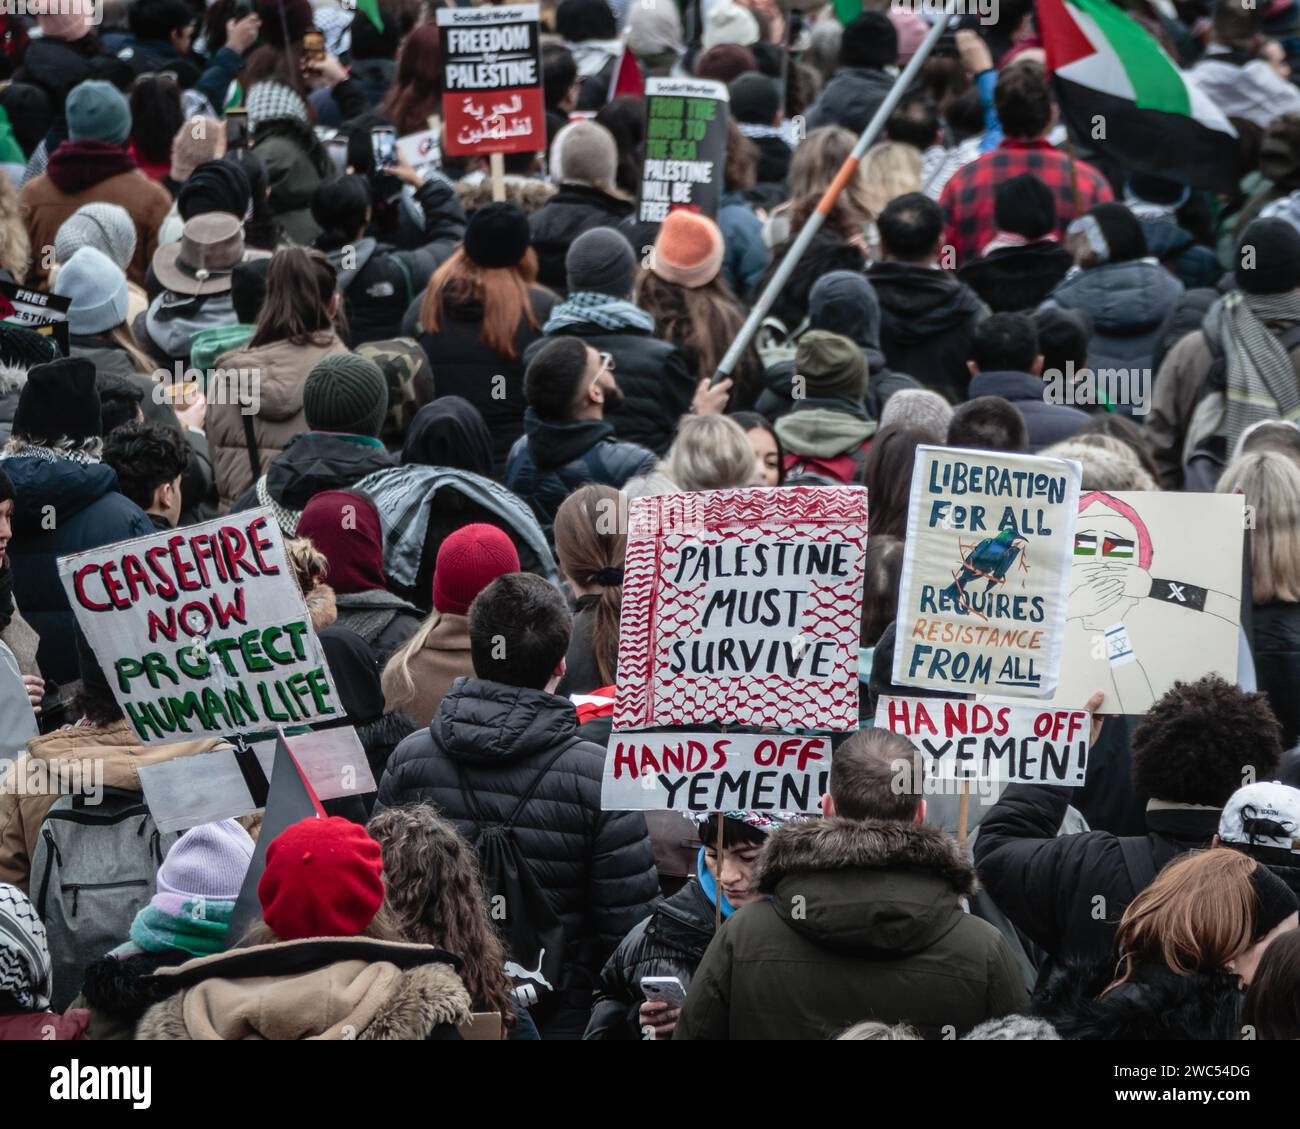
x=201, y=261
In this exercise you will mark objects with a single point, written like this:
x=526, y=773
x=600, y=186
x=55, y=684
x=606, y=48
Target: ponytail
x=591, y=543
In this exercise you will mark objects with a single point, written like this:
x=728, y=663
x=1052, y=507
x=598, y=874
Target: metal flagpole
x=728, y=363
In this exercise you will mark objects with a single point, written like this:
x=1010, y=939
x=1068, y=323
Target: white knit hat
x=730, y=23
x=208, y=861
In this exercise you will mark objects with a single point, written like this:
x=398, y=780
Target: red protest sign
x=492, y=80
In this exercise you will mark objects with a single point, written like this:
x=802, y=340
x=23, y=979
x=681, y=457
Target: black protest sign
x=685, y=147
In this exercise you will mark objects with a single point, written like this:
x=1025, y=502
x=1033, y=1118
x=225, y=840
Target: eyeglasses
x=606, y=366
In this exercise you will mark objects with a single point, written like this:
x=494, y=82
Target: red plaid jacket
x=968, y=196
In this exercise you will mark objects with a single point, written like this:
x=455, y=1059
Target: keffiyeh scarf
x=24, y=954
x=587, y=308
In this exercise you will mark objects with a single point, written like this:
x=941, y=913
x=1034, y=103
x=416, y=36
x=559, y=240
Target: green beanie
x=345, y=393
x=831, y=365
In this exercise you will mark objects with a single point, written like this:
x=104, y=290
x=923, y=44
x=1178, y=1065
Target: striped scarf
x=1261, y=380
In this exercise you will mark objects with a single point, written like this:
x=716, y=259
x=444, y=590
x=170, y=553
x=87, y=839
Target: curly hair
x=1196, y=744
x=436, y=895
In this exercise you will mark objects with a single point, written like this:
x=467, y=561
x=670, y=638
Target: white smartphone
x=663, y=989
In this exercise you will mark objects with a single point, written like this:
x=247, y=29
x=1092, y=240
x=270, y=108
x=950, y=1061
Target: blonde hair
x=709, y=453
x=15, y=243
x=889, y=170
x=397, y=681
x=1196, y=916
x=1109, y=464
x=1270, y=481
x=815, y=163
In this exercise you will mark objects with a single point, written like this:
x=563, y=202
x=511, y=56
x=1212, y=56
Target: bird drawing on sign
x=990, y=560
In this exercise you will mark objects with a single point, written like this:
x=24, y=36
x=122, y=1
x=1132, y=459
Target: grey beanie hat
x=98, y=291
x=106, y=227
x=601, y=261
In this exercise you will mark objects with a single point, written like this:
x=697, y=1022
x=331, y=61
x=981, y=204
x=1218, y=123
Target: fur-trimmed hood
x=317, y=988
x=1155, y=1004
x=850, y=844
x=869, y=887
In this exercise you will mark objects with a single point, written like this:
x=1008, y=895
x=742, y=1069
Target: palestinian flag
x=370, y=9
x=1122, y=95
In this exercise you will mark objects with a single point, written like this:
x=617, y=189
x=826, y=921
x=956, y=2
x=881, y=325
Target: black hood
x=553, y=442
x=1155, y=1004
x=917, y=302
x=316, y=461
x=489, y=722
x=449, y=432
x=1012, y=279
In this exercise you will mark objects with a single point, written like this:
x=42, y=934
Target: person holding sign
x=1189, y=753
x=865, y=921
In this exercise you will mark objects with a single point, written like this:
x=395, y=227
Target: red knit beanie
x=688, y=251
x=323, y=878
x=468, y=561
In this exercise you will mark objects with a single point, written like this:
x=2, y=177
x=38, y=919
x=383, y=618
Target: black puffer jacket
x=927, y=320
x=554, y=457
x=1067, y=894
x=670, y=942
x=379, y=282
x=1155, y=1004
x=1277, y=664
x=596, y=866
x=575, y=208
x=655, y=378
x=464, y=366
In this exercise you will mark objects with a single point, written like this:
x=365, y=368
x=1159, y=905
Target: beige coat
x=108, y=749
x=45, y=208
x=433, y=668
x=277, y=373
x=278, y=991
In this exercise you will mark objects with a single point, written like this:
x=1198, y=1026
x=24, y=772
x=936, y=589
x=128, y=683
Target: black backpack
x=532, y=931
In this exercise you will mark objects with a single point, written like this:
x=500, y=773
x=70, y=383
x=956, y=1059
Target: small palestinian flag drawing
x=1117, y=548
x=1085, y=544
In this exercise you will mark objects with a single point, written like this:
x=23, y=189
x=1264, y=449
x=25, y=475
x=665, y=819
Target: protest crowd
x=354, y=361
